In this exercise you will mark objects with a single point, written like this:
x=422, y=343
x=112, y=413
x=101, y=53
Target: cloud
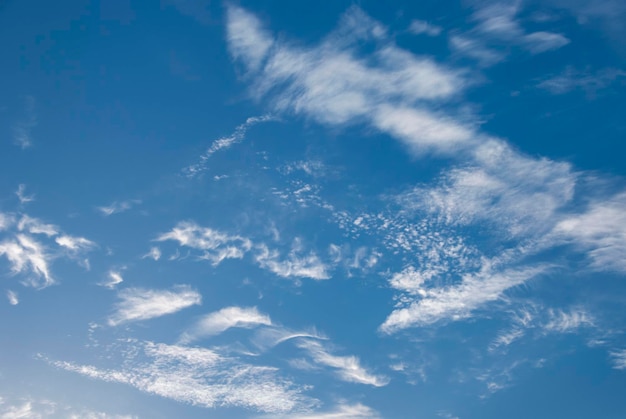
x=28, y=407
x=296, y=265
x=118, y=207
x=502, y=187
x=12, y=297
x=619, y=359
x=572, y=79
x=538, y=42
x=154, y=253
x=22, y=130
x=567, y=322
x=216, y=246
x=6, y=220
x=225, y=143
x=27, y=255
x=458, y=301
x=269, y=337
x=219, y=321
x=476, y=49
x=200, y=377
x=74, y=244
x=600, y=230
x=418, y=27
x=21, y=194
x=341, y=411
x=114, y=277
x=31, y=245
x=348, y=367
x=142, y=304
x=36, y=226
x=496, y=29
x=331, y=85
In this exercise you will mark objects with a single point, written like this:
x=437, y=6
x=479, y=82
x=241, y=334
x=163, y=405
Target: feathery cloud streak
x=142, y=304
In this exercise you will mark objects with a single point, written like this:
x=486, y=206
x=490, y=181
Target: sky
x=346, y=209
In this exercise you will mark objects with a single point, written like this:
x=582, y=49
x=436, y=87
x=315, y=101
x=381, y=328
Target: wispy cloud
x=619, y=359
x=216, y=246
x=36, y=226
x=225, y=143
x=74, y=244
x=141, y=304
x=219, y=321
x=200, y=377
x=297, y=264
x=22, y=130
x=12, y=297
x=27, y=255
x=21, y=194
x=331, y=85
x=31, y=408
x=118, y=207
x=113, y=278
x=342, y=411
x=589, y=81
x=600, y=230
x=348, y=368
x=31, y=245
x=458, y=301
x=154, y=253
x=496, y=29
x=567, y=322
x=419, y=27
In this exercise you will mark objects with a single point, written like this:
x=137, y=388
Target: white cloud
x=141, y=304
x=22, y=130
x=591, y=82
x=268, y=337
x=28, y=407
x=476, y=49
x=458, y=301
x=74, y=244
x=504, y=188
x=12, y=297
x=619, y=359
x=600, y=231
x=6, y=220
x=567, y=322
x=154, y=253
x=296, y=265
x=36, y=226
x=27, y=255
x=21, y=194
x=114, y=277
x=117, y=207
x=219, y=321
x=200, y=377
x=418, y=27
x=331, y=85
x=225, y=143
x=348, y=368
x=342, y=411
x=247, y=40
x=216, y=245
x=538, y=42
x=497, y=28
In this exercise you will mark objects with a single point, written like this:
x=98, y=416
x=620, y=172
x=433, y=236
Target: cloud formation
x=137, y=304
x=200, y=377
x=348, y=368
x=332, y=85
x=224, y=319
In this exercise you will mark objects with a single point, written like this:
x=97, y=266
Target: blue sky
x=313, y=210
